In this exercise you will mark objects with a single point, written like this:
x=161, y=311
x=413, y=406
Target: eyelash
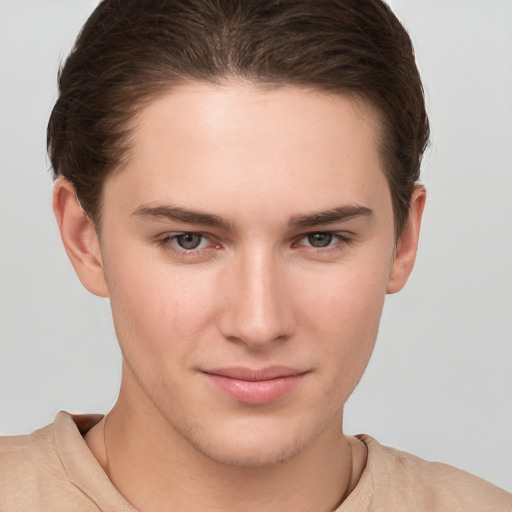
x=168, y=242
x=338, y=238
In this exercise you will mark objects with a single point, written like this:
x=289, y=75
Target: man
x=240, y=180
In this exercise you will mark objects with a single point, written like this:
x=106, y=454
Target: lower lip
x=259, y=392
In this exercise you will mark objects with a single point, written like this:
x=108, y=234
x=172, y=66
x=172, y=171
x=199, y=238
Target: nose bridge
x=258, y=309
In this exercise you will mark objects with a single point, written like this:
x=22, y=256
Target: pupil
x=188, y=240
x=320, y=239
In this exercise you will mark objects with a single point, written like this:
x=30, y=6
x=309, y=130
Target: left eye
x=319, y=240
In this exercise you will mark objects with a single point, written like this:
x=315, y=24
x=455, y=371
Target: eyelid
x=343, y=238
x=166, y=240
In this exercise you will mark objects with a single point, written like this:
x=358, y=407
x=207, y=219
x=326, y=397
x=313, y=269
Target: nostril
x=257, y=325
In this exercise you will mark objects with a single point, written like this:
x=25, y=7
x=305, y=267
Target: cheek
x=347, y=299
x=159, y=311
x=341, y=313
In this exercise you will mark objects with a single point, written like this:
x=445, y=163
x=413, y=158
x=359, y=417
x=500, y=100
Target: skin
x=254, y=293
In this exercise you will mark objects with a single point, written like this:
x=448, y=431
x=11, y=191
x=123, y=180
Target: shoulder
x=22, y=458
x=401, y=480
x=36, y=470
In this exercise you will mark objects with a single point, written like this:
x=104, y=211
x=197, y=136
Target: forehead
x=238, y=143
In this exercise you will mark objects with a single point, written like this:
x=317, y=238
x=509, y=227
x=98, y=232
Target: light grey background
x=440, y=382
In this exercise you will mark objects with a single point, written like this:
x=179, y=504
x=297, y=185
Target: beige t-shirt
x=53, y=470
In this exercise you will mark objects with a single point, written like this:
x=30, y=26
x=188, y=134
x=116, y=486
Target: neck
x=155, y=469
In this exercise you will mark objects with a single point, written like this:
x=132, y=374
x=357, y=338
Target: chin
x=253, y=443
x=250, y=453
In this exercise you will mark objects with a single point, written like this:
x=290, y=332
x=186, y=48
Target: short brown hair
x=130, y=51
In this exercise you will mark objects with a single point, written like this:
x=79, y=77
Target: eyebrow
x=176, y=213
x=343, y=213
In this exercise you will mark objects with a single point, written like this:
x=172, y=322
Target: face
x=247, y=247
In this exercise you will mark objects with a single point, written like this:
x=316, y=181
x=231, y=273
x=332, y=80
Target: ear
x=407, y=244
x=79, y=238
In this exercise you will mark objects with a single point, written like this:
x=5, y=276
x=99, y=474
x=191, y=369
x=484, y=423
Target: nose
x=258, y=307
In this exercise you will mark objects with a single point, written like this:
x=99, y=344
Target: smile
x=255, y=387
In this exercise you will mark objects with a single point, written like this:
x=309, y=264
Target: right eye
x=184, y=242
x=188, y=241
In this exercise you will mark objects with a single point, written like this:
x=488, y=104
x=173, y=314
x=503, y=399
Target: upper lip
x=249, y=374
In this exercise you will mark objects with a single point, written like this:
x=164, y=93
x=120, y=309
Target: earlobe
x=407, y=245
x=79, y=238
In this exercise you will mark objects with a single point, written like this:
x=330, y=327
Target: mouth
x=255, y=386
